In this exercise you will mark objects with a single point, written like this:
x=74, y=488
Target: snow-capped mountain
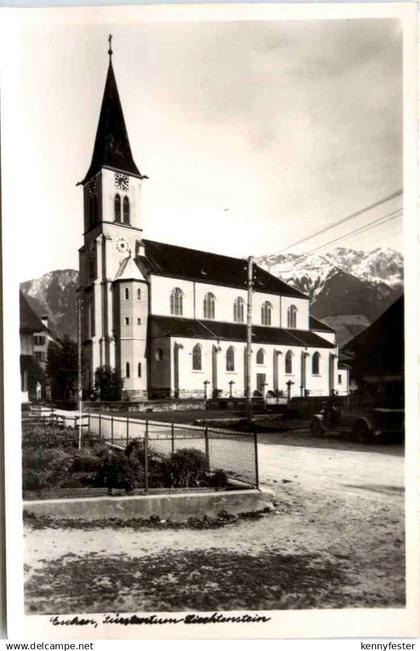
x=309, y=273
x=348, y=289
x=54, y=295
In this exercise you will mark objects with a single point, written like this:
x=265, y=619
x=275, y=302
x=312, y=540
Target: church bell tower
x=113, y=288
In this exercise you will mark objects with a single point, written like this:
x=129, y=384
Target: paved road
x=332, y=465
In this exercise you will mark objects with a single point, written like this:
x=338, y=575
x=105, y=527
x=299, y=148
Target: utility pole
x=249, y=341
x=79, y=365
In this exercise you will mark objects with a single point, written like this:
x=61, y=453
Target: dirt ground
x=335, y=539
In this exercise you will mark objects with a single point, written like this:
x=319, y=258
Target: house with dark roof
x=35, y=336
x=376, y=357
x=172, y=320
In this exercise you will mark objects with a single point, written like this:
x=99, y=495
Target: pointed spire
x=112, y=147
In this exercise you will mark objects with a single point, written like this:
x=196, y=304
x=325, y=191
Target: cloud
x=290, y=124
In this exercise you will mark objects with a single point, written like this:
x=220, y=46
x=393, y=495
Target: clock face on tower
x=122, y=245
x=121, y=181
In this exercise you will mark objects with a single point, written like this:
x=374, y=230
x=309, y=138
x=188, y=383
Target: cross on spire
x=110, y=48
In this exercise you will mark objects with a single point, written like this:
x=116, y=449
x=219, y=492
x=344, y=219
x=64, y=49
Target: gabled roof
x=320, y=326
x=202, y=266
x=112, y=147
x=29, y=321
x=128, y=270
x=379, y=348
x=192, y=328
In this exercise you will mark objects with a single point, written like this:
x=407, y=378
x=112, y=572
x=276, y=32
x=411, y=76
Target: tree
x=108, y=384
x=62, y=369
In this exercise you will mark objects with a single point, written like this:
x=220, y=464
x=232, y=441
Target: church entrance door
x=261, y=382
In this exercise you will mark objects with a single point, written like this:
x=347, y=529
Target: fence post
x=100, y=424
x=112, y=429
x=172, y=437
x=257, y=481
x=206, y=442
x=146, y=458
x=128, y=430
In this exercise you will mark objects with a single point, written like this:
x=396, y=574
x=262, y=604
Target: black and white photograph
x=206, y=243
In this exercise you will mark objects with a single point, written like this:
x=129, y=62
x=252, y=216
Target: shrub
x=187, y=467
x=219, y=479
x=160, y=473
x=79, y=480
x=85, y=462
x=159, y=467
x=45, y=468
x=119, y=470
x=136, y=450
x=47, y=436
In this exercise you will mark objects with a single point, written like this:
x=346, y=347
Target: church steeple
x=112, y=147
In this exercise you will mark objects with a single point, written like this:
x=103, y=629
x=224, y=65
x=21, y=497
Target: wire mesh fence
x=233, y=452
x=236, y=453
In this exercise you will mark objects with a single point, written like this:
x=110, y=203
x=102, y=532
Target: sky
x=253, y=134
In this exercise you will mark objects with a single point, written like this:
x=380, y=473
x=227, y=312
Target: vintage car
x=363, y=422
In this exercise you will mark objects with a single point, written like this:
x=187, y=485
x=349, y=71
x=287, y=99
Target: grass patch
x=184, y=580
x=37, y=522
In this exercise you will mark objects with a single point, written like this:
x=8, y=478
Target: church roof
x=320, y=326
x=193, y=328
x=112, y=147
x=128, y=270
x=190, y=264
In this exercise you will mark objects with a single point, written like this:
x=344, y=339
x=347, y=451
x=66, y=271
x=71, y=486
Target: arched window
x=126, y=210
x=291, y=316
x=127, y=370
x=139, y=369
x=209, y=306
x=230, y=359
x=196, y=358
x=139, y=294
x=266, y=313
x=126, y=294
x=315, y=363
x=288, y=362
x=117, y=208
x=238, y=310
x=260, y=356
x=176, y=301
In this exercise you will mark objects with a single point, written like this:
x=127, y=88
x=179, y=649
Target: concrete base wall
x=177, y=507
x=142, y=405
x=134, y=394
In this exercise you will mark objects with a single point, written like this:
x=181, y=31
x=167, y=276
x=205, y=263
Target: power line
x=382, y=220
x=374, y=224
x=343, y=220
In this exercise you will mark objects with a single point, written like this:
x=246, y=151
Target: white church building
x=172, y=320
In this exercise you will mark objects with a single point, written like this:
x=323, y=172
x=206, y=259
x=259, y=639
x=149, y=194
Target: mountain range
x=348, y=289
x=55, y=295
